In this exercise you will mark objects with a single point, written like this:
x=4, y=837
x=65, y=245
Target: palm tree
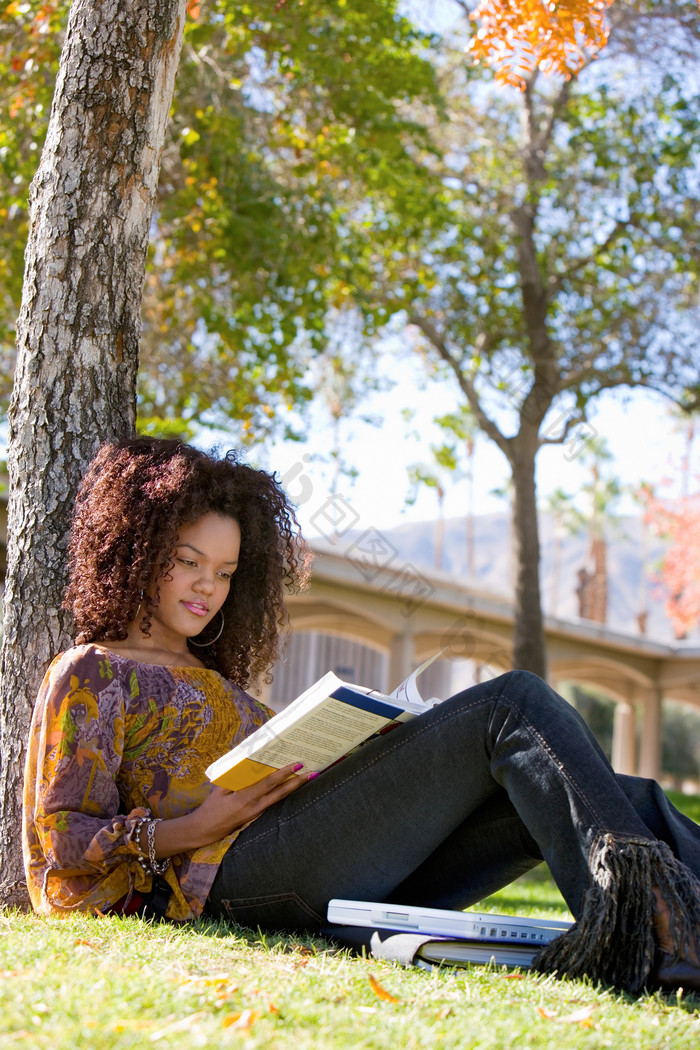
x=601, y=492
x=565, y=521
x=435, y=476
x=463, y=425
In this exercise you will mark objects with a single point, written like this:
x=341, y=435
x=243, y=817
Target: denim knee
x=520, y=688
x=539, y=705
x=517, y=688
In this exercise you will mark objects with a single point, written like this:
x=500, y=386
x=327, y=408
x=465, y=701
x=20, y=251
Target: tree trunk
x=593, y=585
x=528, y=627
x=91, y=204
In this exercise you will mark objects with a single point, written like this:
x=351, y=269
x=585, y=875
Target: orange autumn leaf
x=447, y=1011
x=380, y=992
x=245, y=1019
x=223, y=986
x=517, y=36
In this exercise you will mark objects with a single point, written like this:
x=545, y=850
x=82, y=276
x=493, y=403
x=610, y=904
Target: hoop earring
x=203, y=645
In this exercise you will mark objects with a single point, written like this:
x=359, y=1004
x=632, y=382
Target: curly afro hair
x=132, y=503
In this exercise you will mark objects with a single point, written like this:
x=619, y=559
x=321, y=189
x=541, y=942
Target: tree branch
x=556, y=282
x=538, y=134
x=466, y=385
x=571, y=421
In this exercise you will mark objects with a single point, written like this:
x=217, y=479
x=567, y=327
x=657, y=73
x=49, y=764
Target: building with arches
x=374, y=624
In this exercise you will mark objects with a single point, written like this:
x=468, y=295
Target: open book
x=323, y=725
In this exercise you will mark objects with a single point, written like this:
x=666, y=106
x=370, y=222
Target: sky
x=645, y=441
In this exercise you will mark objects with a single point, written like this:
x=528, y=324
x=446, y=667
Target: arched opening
x=310, y=654
x=680, y=747
x=596, y=708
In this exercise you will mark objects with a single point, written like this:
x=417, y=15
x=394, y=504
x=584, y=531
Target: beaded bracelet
x=148, y=861
x=158, y=867
x=136, y=837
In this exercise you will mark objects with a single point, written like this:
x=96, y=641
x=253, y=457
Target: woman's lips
x=197, y=608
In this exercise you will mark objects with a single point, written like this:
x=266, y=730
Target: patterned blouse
x=110, y=739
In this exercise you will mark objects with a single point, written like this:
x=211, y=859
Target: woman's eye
x=186, y=561
x=226, y=575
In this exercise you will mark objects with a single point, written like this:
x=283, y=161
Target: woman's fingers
x=223, y=811
x=292, y=773
x=281, y=783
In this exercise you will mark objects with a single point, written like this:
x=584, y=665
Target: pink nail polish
x=312, y=776
x=298, y=766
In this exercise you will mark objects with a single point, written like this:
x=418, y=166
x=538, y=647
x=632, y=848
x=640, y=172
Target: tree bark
x=78, y=332
x=529, y=650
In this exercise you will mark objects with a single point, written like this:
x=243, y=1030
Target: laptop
x=411, y=934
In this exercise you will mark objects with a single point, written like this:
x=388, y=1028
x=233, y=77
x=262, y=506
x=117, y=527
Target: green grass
x=688, y=804
x=120, y=983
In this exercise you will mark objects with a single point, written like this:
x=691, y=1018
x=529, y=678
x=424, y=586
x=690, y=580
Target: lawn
x=118, y=983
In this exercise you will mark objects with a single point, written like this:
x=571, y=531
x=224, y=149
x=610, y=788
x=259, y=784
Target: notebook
x=409, y=934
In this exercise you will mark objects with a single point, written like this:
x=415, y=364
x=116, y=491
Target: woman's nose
x=205, y=583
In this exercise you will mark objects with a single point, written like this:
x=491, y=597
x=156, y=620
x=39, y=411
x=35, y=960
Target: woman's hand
x=224, y=811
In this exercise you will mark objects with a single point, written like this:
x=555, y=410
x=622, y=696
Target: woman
x=178, y=565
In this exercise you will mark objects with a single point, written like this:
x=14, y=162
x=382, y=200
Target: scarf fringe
x=613, y=941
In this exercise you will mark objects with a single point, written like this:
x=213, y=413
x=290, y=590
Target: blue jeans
x=446, y=809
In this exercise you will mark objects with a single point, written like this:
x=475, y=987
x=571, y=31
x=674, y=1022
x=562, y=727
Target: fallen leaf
x=94, y=946
x=581, y=1017
x=381, y=992
x=178, y=1025
x=131, y=1025
x=245, y=1019
x=224, y=994
x=220, y=982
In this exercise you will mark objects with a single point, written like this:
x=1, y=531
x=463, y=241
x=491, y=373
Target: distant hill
x=628, y=565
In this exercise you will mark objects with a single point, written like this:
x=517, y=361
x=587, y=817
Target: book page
x=319, y=728
x=322, y=736
x=408, y=693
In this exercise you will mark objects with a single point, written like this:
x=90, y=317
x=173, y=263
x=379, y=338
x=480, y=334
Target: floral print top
x=110, y=739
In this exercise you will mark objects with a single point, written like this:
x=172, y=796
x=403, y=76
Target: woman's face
x=193, y=590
